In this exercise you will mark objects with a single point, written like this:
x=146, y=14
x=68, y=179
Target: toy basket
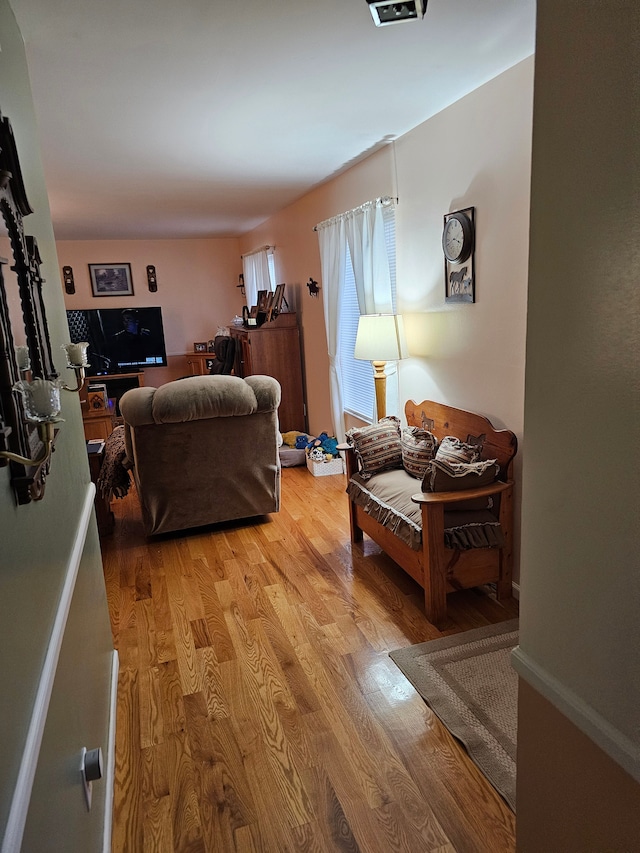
x=322, y=469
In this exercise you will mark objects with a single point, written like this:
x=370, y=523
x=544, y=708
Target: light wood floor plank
x=258, y=709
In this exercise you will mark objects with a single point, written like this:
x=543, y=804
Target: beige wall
x=477, y=152
x=579, y=636
x=196, y=282
x=571, y=796
x=297, y=258
x=38, y=542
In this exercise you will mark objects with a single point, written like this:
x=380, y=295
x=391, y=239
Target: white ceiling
x=189, y=118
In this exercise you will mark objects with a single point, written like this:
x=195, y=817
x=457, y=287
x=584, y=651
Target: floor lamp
x=380, y=339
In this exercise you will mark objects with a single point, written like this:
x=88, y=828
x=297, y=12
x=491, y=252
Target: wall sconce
x=314, y=287
x=41, y=403
x=152, y=279
x=41, y=400
x=76, y=361
x=379, y=339
x=67, y=277
x=240, y=284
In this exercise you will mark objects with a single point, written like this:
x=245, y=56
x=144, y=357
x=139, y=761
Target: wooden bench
x=440, y=570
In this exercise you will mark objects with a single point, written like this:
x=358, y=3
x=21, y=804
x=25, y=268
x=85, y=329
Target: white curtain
x=368, y=248
x=363, y=230
x=333, y=243
x=255, y=268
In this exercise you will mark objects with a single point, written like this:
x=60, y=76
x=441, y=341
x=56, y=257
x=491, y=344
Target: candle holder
x=23, y=358
x=40, y=398
x=41, y=403
x=76, y=361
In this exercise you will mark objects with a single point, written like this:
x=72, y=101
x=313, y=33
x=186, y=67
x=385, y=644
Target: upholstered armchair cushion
x=198, y=397
x=204, y=450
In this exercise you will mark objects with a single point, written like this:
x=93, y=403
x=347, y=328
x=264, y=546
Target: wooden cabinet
x=99, y=423
x=274, y=350
x=200, y=362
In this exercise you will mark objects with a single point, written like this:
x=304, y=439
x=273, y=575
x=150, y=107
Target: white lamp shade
x=380, y=337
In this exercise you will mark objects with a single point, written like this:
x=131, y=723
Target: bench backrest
x=441, y=420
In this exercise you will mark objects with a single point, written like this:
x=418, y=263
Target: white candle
x=22, y=354
x=76, y=354
x=42, y=398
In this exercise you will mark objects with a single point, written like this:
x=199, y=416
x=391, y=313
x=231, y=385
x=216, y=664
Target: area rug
x=468, y=681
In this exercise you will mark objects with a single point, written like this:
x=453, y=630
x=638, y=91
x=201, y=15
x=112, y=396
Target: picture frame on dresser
x=278, y=297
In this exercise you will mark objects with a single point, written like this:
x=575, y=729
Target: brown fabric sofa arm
x=136, y=406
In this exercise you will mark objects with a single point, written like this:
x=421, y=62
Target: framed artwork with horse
x=458, y=245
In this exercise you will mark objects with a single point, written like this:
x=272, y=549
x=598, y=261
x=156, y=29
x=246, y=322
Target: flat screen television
x=121, y=340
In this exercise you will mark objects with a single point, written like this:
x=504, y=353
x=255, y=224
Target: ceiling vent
x=385, y=12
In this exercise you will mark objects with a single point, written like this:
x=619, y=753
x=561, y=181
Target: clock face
x=457, y=238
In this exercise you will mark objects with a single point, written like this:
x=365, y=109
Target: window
x=358, y=394
x=272, y=269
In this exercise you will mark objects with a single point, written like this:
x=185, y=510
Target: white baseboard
x=610, y=740
x=515, y=589
x=12, y=839
x=110, y=775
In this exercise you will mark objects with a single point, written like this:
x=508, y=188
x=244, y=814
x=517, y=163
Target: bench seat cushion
x=386, y=497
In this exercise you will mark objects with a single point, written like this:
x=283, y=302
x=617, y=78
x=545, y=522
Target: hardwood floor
x=258, y=709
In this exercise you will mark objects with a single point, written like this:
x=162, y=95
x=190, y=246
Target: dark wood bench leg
x=356, y=532
x=435, y=590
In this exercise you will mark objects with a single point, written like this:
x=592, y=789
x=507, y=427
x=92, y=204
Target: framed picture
x=263, y=297
x=111, y=279
x=268, y=309
x=200, y=346
x=458, y=243
x=278, y=296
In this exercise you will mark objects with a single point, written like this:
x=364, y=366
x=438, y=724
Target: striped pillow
x=377, y=446
x=452, y=450
x=418, y=449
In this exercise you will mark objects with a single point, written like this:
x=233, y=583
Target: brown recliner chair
x=204, y=450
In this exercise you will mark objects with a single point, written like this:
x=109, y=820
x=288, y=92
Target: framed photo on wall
x=111, y=279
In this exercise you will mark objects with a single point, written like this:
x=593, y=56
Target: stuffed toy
x=293, y=438
x=325, y=444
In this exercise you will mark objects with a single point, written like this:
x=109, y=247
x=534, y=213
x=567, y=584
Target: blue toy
x=328, y=444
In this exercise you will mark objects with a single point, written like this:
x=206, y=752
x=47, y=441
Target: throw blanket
x=113, y=480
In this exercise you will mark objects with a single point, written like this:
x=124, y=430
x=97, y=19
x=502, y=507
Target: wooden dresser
x=274, y=350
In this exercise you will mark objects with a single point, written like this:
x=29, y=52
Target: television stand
x=117, y=384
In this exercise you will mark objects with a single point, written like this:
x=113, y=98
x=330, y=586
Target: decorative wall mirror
x=26, y=442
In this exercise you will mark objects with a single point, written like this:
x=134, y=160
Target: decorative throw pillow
x=377, y=446
x=418, y=448
x=442, y=476
x=452, y=450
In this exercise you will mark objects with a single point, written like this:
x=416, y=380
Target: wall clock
x=458, y=246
